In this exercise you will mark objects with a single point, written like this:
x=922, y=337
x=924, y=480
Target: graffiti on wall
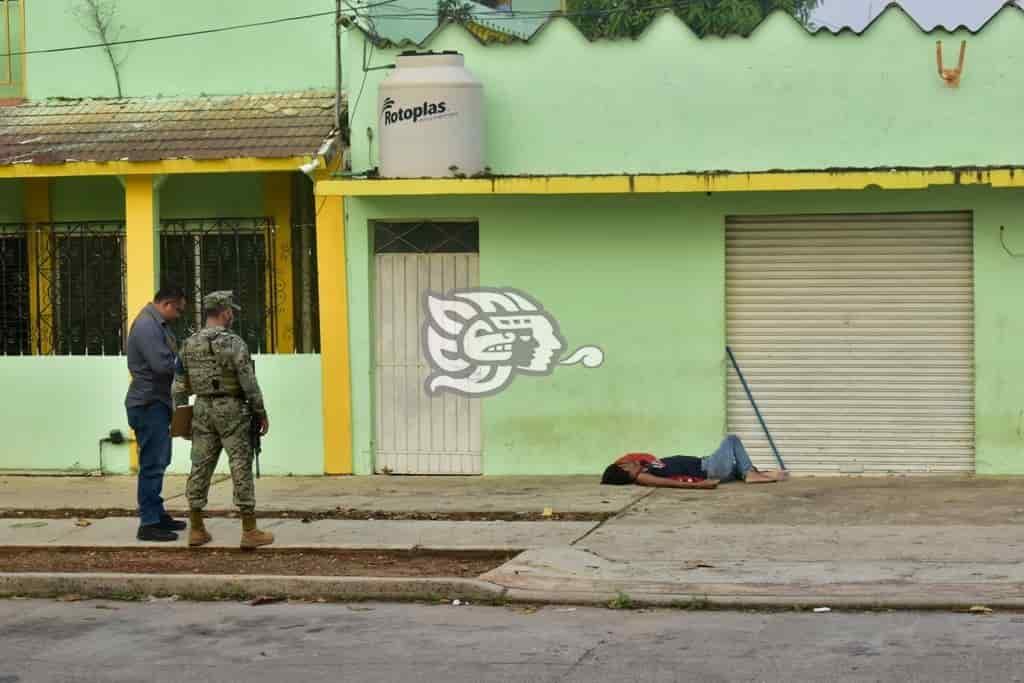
x=478, y=340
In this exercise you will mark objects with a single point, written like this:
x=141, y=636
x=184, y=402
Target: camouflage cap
x=221, y=299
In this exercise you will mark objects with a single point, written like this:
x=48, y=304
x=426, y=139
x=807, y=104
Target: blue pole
x=753, y=403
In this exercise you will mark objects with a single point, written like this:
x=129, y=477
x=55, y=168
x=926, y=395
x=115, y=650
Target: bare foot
x=755, y=477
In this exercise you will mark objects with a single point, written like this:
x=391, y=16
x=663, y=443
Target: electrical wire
x=356, y=9
x=185, y=34
x=366, y=61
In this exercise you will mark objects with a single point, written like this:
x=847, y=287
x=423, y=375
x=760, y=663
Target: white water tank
x=430, y=118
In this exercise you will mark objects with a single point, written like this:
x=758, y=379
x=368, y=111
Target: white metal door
x=417, y=433
x=856, y=334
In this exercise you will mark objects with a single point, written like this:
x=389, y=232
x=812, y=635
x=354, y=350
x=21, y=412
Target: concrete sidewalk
x=396, y=495
x=119, y=532
x=858, y=542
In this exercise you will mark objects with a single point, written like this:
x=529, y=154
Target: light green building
x=826, y=205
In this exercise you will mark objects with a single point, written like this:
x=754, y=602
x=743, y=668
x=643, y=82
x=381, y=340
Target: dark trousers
x=152, y=425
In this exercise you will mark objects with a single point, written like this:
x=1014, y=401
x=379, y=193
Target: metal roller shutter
x=856, y=334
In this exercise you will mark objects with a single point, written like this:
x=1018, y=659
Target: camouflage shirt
x=230, y=364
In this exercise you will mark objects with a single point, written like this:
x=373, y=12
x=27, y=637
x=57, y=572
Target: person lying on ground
x=729, y=462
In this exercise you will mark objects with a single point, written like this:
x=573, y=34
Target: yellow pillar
x=142, y=244
x=142, y=252
x=37, y=212
x=277, y=201
x=334, y=341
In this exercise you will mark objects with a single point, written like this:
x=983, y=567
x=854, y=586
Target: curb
x=804, y=602
x=220, y=586
x=206, y=587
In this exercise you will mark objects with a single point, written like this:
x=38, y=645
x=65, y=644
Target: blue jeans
x=152, y=425
x=729, y=462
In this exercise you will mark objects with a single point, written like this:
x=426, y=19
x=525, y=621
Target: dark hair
x=169, y=293
x=613, y=474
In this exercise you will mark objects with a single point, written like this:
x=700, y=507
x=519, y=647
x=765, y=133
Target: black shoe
x=168, y=523
x=153, y=532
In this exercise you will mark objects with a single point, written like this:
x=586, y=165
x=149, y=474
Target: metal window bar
x=426, y=237
x=80, y=275
x=307, y=289
x=204, y=255
x=15, y=311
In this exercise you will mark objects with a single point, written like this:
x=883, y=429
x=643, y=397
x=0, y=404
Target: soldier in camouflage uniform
x=216, y=367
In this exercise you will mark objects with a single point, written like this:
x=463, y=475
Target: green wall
x=56, y=410
x=233, y=195
x=99, y=198
x=294, y=445
x=229, y=195
x=280, y=57
x=781, y=99
x=649, y=291
x=63, y=405
x=643, y=277
x=12, y=203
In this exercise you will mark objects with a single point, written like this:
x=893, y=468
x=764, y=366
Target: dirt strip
x=374, y=563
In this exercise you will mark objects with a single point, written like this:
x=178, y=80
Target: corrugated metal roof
x=155, y=129
x=858, y=16
x=413, y=22
x=398, y=25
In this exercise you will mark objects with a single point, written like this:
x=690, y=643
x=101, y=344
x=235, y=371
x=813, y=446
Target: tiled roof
x=155, y=129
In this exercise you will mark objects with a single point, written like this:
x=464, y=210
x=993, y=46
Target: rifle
x=255, y=440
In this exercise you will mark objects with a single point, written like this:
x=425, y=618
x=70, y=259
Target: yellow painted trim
x=487, y=34
x=168, y=167
x=773, y=181
x=277, y=202
x=36, y=193
x=334, y=336
x=141, y=254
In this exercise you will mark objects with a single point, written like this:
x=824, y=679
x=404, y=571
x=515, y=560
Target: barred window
x=306, y=291
x=63, y=284
x=426, y=237
x=15, y=317
x=79, y=273
x=206, y=255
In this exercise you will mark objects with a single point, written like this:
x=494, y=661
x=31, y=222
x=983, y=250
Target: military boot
x=197, y=533
x=252, y=537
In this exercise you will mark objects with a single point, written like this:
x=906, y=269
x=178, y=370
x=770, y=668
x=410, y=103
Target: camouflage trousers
x=221, y=423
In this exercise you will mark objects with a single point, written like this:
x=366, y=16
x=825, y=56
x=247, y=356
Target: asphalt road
x=366, y=643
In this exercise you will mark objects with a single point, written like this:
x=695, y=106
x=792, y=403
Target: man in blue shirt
x=152, y=356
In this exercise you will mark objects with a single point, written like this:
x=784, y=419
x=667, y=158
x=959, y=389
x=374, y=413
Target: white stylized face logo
x=527, y=341
x=476, y=340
